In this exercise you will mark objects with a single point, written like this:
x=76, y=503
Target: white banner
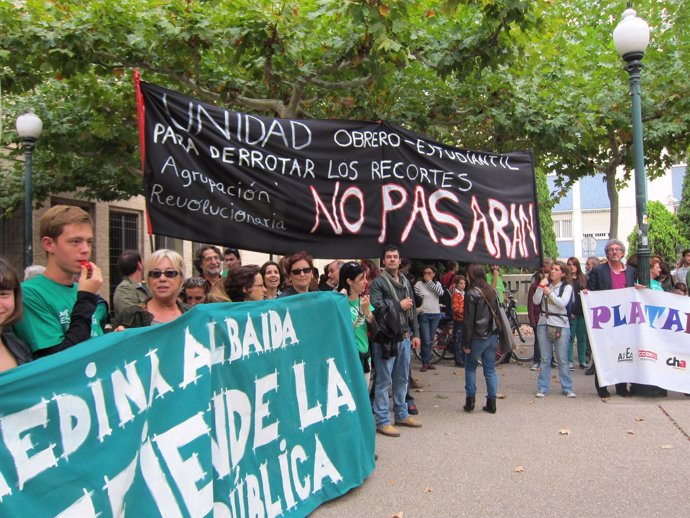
x=640, y=336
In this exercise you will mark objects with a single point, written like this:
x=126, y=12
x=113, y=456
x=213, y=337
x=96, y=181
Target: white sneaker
x=571, y=367
x=571, y=395
x=535, y=367
x=540, y=394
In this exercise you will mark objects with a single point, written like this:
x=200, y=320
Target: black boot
x=490, y=406
x=590, y=370
x=469, y=404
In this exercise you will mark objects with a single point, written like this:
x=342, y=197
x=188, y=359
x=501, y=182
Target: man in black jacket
x=393, y=371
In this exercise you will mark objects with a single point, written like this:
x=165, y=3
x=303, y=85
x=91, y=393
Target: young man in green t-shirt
x=59, y=312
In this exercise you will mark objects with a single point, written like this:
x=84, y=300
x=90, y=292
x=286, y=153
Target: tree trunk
x=613, y=200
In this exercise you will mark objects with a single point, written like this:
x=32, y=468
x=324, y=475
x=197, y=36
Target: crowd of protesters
x=60, y=306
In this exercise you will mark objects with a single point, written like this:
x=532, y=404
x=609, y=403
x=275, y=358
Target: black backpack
x=389, y=320
x=446, y=302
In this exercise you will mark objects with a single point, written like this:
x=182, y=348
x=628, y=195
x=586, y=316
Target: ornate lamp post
x=29, y=127
x=631, y=37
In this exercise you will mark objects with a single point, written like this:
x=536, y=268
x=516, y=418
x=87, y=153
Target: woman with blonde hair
x=164, y=271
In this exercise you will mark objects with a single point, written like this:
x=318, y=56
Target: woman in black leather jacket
x=480, y=337
x=13, y=351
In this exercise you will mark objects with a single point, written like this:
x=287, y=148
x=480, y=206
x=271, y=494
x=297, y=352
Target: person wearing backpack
x=392, y=290
x=553, y=295
x=578, y=328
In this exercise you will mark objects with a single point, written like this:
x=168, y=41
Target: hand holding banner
x=639, y=336
x=254, y=408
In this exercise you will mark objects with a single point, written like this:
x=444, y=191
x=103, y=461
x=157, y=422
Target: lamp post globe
x=29, y=127
x=631, y=38
x=631, y=35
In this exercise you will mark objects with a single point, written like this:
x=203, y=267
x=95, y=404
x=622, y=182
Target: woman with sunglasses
x=164, y=272
x=300, y=268
x=273, y=280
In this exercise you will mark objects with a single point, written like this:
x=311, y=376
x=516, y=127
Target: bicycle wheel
x=524, y=351
x=500, y=354
x=515, y=323
x=446, y=342
x=438, y=348
x=417, y=352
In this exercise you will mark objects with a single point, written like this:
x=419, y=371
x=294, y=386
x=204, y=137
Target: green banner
x=233, y=410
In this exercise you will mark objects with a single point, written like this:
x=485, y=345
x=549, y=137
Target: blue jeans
x=484, y=348
x=428, y=324
x=537, y=351
x=578, y=329
x=457, y=341
x=561, y=348
x=394, y=371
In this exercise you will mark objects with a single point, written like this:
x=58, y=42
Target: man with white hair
x=612, y=275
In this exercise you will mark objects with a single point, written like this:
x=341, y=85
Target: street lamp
x=631, y=37
x=29, y=127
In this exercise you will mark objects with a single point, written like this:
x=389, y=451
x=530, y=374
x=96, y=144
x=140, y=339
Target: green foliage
x=666, y=238
x=360, y=59
x=548, y=236
x=684, y=206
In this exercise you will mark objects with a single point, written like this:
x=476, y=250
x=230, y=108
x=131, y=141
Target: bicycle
x=443, y=345
x=522, y=352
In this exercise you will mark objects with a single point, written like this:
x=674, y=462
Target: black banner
x=333, y=188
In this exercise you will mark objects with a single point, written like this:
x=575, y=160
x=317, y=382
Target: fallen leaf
x=631, y=432
x=564, y=431
x=667, y=447
x=500, y=396
x=397, y=515
x=441, y=396
x=531, y=402
x=392, y=482
x=428, y=490
x=518, y=469
x=639, y=419
x=419, y=390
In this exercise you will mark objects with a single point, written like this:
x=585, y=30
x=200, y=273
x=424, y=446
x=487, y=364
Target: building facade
x=582, y=217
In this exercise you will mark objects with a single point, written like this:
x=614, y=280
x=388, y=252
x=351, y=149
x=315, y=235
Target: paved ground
x=535, y=457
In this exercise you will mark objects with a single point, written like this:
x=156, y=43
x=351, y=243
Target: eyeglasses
x=258, y=286
x=170, y=274
x=297, y=271
x=615, y=249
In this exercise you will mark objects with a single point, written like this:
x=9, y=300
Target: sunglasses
x=170, y=274
x=297, y=271
x=195, y=282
